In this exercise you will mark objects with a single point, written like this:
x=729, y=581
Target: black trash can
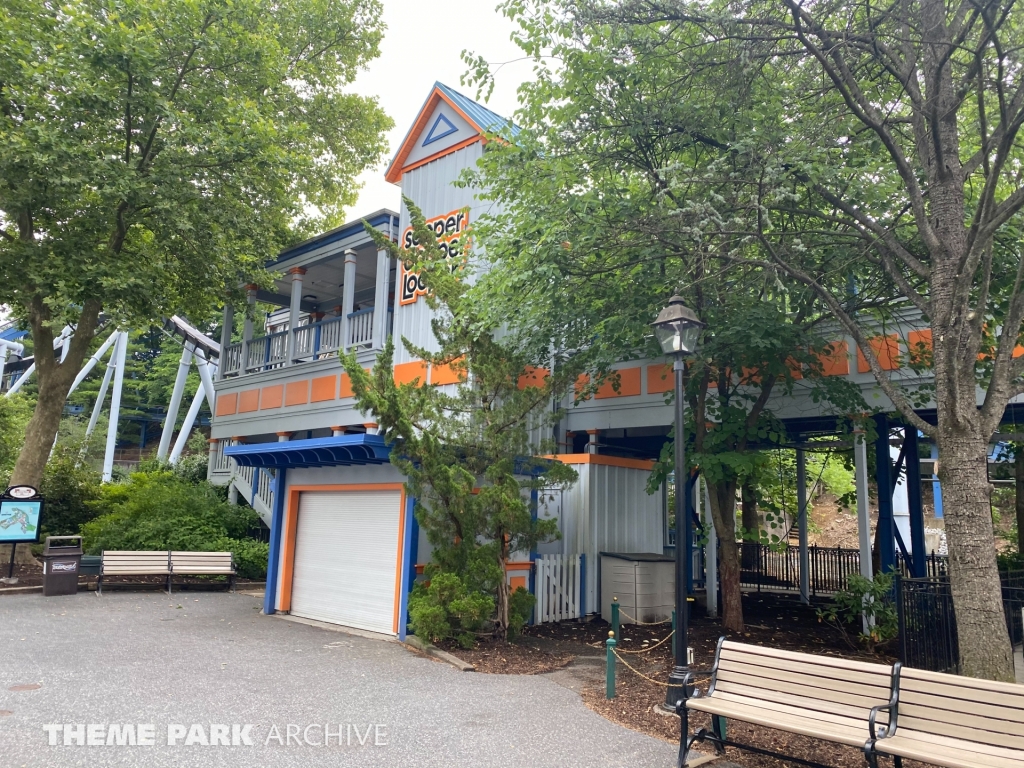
x=62, y=558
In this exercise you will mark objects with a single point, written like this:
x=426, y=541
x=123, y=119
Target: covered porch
x=335, y=291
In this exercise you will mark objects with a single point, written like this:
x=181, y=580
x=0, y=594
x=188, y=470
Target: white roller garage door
x=346, y=556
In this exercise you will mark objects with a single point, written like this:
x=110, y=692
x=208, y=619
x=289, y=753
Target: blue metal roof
x=485, y=119
x=341, y=451
x=12, y=334
x=342, y=232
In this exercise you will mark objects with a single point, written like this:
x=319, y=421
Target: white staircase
x=256, y=486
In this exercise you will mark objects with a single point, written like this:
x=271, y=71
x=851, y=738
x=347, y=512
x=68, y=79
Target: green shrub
x=15, y=412
x=520, y=605
x=70, y=488
x=446, y=608
x=158, y=510
x=870, y=597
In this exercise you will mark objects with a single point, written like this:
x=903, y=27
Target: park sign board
x=21, y=508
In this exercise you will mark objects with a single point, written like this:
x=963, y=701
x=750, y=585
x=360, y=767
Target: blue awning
x=341, y=451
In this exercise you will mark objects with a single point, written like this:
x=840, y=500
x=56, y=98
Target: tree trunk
x=723, y=512
x=1018, y=472
x=974, y=577
x=54, y=379
x=501, y=618
x=751, y=522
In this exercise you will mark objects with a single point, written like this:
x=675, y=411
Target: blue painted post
x=615, y=618
x=609, y=670
x=276, y=528
x=883, y=476
x=918, y=567
x=936, y=485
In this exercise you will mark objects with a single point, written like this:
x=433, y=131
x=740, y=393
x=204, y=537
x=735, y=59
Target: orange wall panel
x=629, y=384
x=660, y=379
x=447, y=374
x=324, y=388
x=296, y=393
x=227, y=404
x=919, y=346
x=271, y=397
x=835, y=360
x=515, y=582
x=406, y=373
x=346, y=386
x=886, y=349
x=249, y=401
x=533, y=377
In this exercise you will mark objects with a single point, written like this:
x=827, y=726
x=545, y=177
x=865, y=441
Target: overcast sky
x=421, y=45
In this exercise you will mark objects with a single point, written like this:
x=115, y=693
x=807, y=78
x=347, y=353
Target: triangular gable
x=447, y=122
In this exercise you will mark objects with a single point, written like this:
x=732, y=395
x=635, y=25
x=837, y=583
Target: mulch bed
x=778, y=621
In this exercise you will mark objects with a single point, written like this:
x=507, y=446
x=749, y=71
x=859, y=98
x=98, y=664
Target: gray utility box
x=644, y=582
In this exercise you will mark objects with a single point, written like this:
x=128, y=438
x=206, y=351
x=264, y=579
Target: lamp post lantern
x=677, y=330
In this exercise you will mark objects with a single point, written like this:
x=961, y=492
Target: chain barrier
x=652, y=647
x=627, y=665
x=644, y=623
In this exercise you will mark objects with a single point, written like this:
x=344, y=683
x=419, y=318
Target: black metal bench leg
x=718, y=728
x=684, y=735
x=897, y=761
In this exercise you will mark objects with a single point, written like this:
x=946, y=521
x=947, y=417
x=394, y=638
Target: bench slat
x=940, y=718
x=881, y=678
x=805, y=658
x=996, y=711
x=133, y=570
x=824, y=685
x=996, y=696
x=837, y=732
x=842, y=704
x=947, y=752
x=960, y=732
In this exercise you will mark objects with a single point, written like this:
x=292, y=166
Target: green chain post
x=609, y=683
x=615, y=619
x=673, y=620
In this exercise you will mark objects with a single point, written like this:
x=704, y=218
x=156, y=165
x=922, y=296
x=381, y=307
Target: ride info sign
x=21, y=508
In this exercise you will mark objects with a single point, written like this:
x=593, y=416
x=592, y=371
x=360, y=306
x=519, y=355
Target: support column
x=211, y=458
x=172, y=408
x=284, y=437
x=912, y=459
x=101, y=396
x=348, y=298
x=860, y=459
x=186, y=425
x=801, y=501
x=294, y=309
x=592, y=441
x=337, y=431
x=711, y=553
x=115, y=406
x=276, y=536
x=250, y=300
x=226, y=332
x=380, y=300
x=936, y=485
x=371, y=428
x=883, y=478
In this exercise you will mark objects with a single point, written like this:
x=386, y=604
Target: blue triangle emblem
x=442, y=127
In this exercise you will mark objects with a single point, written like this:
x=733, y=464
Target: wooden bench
x=818, y=696
x=123, y=563
x=204, y=564
x=952, y=721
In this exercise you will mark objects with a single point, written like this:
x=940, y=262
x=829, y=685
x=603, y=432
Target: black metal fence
x=829, y=568
x=927, y=621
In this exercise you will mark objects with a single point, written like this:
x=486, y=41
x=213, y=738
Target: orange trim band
x=605, y=461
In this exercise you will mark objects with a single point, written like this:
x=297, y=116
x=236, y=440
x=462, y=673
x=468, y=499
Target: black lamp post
x=677, y=330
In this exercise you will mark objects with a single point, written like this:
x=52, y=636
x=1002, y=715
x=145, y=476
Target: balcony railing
x=315, y=341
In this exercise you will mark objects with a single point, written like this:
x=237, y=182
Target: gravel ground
x=198, y=659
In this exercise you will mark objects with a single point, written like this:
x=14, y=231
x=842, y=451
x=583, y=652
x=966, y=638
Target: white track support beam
x=172, y=409
x=801, y=505
x=860, y=459
x=92, y=361
x=101, y=396
x=207, y=372
x=186, y=426
x=115, y=405
x=58, y=343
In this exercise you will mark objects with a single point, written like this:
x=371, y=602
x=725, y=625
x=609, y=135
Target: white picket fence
x=558, y=588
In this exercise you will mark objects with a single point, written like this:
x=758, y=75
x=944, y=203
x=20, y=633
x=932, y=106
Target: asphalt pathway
x=211, y=682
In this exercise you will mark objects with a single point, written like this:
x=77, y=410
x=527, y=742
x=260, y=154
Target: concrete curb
x=20, y=590
x=432, y=650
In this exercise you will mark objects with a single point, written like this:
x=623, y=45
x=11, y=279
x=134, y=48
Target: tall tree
x=589, y=241
x=467, y=447
x=153, y=152
x=899, y=142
